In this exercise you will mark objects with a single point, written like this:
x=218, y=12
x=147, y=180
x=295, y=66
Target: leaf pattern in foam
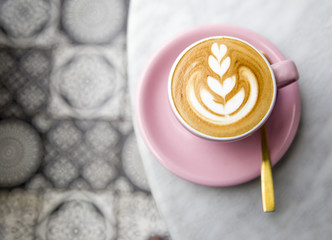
x=219, y=64
x=224, y=109
x=219, y=52
x=235, y=102
x=221, y=89
x=218, y=68
x=215, y=63
x=209, y=101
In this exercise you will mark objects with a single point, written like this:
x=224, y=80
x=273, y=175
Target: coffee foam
x=222, y=87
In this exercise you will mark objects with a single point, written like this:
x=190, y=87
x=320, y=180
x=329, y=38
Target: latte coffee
x=222, y=87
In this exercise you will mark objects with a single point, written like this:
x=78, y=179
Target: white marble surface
x=302, y=30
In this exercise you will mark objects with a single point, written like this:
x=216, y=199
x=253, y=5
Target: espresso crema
x=222, y=87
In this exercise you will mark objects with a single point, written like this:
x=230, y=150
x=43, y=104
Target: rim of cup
x=209, y=137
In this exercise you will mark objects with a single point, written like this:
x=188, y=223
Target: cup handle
x=285, y=72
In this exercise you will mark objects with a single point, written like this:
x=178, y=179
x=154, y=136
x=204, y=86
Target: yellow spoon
x=266, y=175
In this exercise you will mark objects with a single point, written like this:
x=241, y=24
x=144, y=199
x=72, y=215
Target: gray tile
x=63, y=75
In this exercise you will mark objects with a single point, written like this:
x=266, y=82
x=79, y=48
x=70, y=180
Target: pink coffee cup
x=283, y=73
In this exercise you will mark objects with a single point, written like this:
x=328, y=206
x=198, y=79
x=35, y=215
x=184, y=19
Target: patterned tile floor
x=69, y=164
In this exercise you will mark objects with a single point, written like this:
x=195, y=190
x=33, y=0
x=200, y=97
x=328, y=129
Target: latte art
x=211, y=102
x=222, y=87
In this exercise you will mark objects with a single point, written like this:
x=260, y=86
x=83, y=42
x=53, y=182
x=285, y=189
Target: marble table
x=302, y=30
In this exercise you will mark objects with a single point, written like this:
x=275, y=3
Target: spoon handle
x=266, y=175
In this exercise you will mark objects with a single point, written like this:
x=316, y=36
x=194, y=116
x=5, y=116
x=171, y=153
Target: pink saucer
x=202, y=161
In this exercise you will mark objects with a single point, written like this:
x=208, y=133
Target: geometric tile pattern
x=94, y=22
x=69, y=164
x=19, y=214
x=77, y=215
x=23, y=18
x=20, y=152
x=86, y=83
